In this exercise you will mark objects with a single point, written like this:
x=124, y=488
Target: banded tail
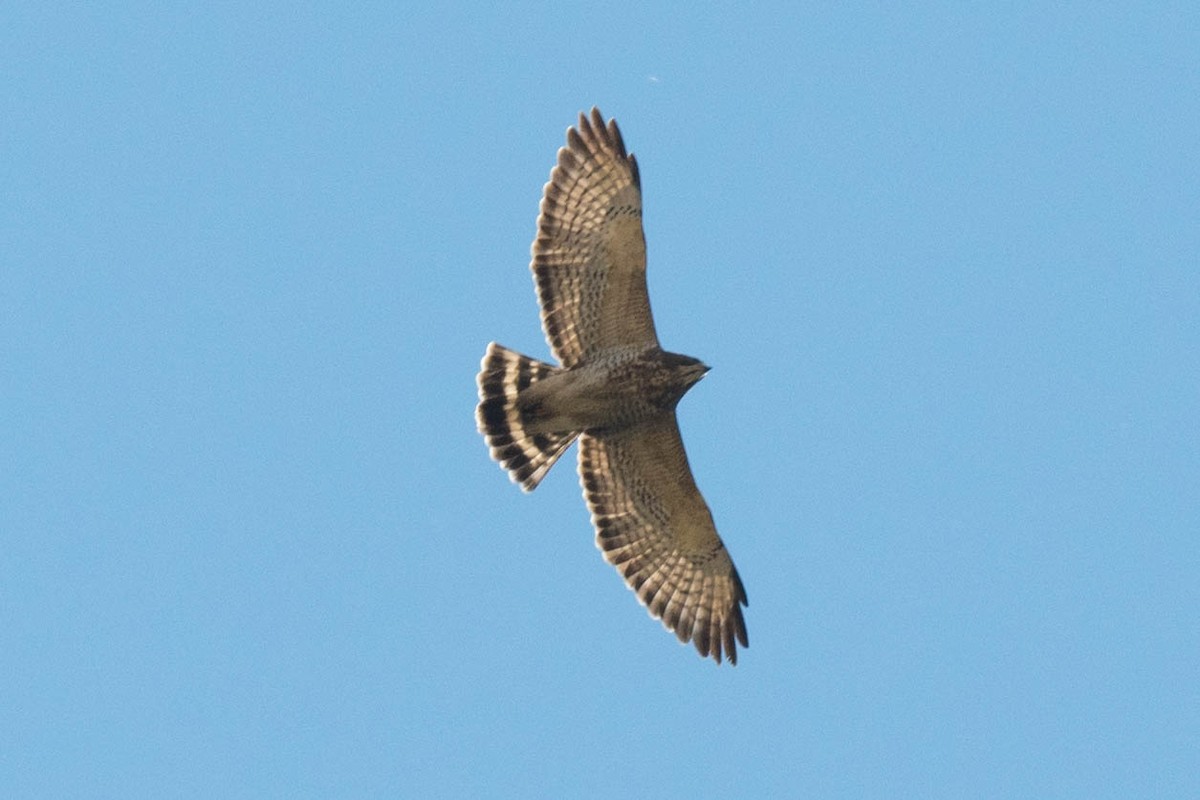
x=503, y=375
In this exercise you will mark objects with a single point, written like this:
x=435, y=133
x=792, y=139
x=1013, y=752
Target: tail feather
x=503, y=375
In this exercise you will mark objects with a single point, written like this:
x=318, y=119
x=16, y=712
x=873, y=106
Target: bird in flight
x=615, y=390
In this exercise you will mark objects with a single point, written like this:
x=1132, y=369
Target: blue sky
x=942, y=260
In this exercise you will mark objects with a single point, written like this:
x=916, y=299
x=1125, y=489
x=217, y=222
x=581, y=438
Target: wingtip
x=591, y=127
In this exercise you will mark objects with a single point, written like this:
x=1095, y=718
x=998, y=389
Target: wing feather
x=653, y=525
x=589, y=255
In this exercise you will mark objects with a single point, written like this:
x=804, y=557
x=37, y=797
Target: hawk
x=615, y=390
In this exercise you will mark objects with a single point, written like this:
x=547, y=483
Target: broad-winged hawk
x=615, y=390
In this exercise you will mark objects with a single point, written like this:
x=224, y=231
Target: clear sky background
x=942, y=260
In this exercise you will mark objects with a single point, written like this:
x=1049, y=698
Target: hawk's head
x=685, y=371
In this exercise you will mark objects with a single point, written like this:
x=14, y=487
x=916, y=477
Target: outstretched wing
x=589, y=257
x=653, y=525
